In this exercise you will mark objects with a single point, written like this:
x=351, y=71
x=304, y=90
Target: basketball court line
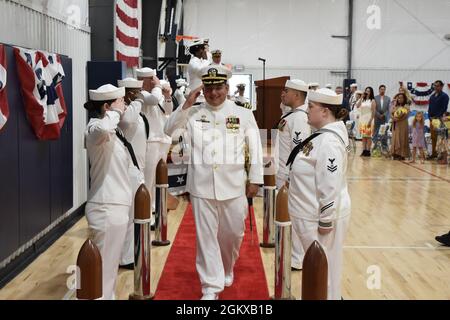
x=425, y=171
x=427, y=246
x=391, y=179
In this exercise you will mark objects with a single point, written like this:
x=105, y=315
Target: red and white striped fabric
x=4, y=110
x=127, y=31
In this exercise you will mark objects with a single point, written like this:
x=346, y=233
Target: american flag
x=4, y=110
x=127, y=31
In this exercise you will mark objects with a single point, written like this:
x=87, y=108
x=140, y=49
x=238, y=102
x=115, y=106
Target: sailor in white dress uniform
x=319, y=202
x=109, y=197
x=293, y=128
x=218, y=131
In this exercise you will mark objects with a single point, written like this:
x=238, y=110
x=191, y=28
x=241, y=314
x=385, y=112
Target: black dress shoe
x=363, y=154
x=444, y=239
x=295, y=269
x=129, y=266
x=152, y=227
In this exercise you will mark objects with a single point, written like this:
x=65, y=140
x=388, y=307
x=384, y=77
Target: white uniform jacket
x=218, y=137
x=110, y=160
x=156, y=109
x=133, y=127
x=195, y=72
x=318, y=185
x=293, y=128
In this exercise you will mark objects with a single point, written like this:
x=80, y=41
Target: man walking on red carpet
x=216, y=181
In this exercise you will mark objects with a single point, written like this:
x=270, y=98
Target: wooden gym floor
x=397, y=210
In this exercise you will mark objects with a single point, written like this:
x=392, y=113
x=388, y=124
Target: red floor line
x=430, y=173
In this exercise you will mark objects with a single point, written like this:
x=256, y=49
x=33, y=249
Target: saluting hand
x=192, y=97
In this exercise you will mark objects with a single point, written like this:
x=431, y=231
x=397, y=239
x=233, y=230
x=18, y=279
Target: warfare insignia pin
x=282, y=124
x=307, y=148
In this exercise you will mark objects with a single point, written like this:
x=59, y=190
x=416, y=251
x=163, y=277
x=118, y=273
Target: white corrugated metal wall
x=25, y=26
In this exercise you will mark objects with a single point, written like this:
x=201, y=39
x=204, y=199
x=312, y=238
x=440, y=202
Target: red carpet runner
x=179, y=280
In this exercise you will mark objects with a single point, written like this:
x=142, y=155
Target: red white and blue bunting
x=40, y=74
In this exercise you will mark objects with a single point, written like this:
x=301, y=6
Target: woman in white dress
x=366, y=106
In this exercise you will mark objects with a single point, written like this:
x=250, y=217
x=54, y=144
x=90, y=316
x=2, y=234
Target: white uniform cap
x=354, y=85
x=198, y=42
x=106, y=92
x=215, y=74
x=181, y=82
x=145, y=73
x=326, y=96
x=296, y=84
x=130, y=83
x=313, y=84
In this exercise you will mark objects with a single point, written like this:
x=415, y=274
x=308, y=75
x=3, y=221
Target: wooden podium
x=268, y=111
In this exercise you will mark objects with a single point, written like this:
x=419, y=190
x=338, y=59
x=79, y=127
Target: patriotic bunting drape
x=40, y=74
x=4, y=110
x=127, y=31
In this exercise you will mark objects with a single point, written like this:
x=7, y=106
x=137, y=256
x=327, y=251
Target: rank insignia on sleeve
x=332, y=167
x=232, y=123
x=297, y=139
x=307, y=148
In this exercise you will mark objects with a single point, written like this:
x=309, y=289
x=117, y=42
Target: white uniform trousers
x=333, y=245
x=220, y=227
x=155, y=152
x=107, y=227
x=127, y=256
x=297, y=248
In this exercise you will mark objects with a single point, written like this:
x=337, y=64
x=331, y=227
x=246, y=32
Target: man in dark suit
x=382, y=109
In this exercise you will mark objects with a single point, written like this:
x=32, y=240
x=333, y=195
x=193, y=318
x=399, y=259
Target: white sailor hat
x=313, y=84
x=240, y=86
x=354, y=85
x=106, y=92
x=297, y=84
x=145, y=72
x=325, y=96
x=196, y=44
x=181, y=82
x=215, y=74
x=216, y=53
x=130, y=83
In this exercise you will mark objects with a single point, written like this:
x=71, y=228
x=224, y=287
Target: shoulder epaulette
x=245, y=105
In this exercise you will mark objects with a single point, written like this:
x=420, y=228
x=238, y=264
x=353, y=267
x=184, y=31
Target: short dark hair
x=382, y=86
x=439, y=82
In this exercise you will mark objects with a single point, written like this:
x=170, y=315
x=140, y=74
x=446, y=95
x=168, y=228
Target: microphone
x=261, y=59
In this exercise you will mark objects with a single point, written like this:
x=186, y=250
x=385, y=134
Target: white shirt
x=133, y=127
x=318, y=185
x=292, y=130
x=241, y=99
x=153, y=102
x=194, y=72
x=217, y=137
x=109, y=160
